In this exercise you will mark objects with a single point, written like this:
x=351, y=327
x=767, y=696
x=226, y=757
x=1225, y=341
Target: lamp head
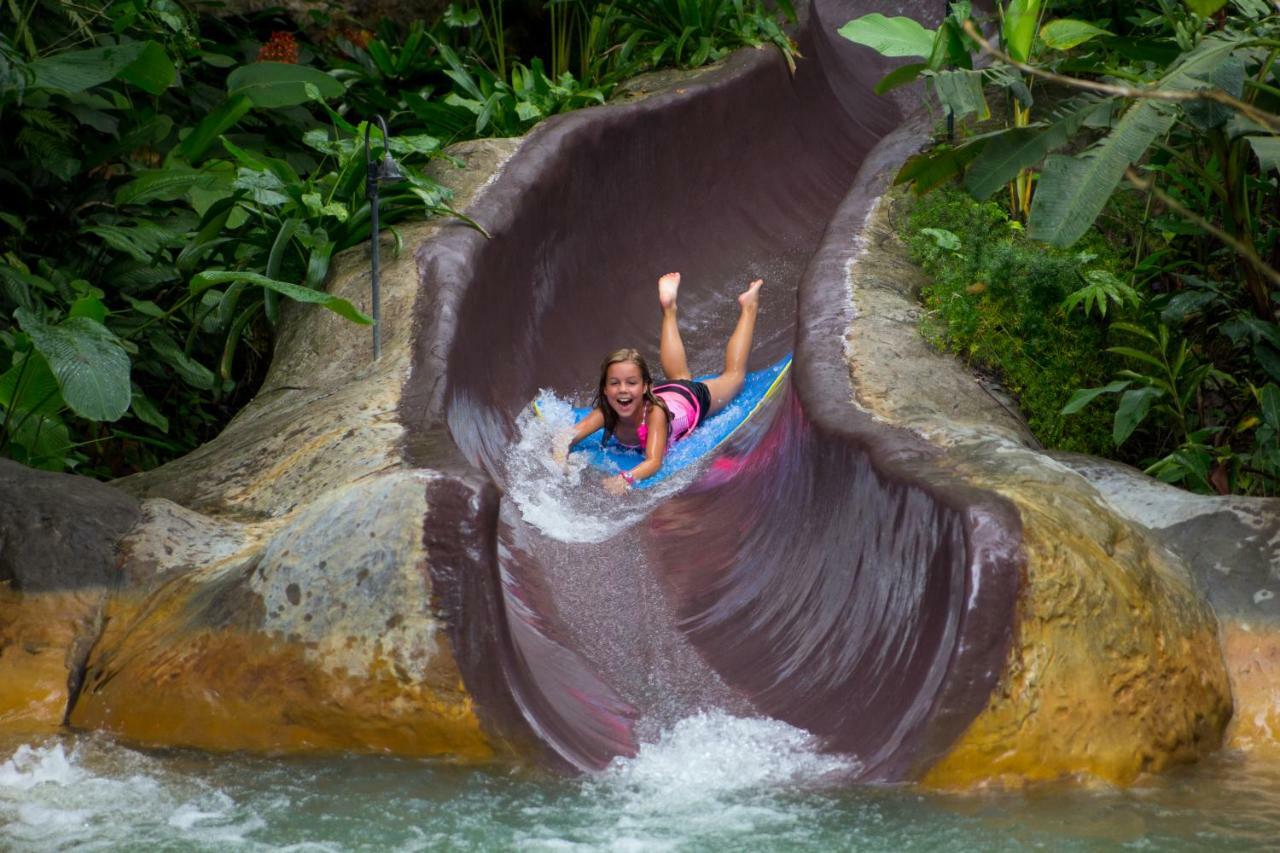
x=389, y=170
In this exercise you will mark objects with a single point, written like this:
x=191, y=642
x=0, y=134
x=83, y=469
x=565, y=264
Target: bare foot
x=667, y=287
x=751, y=296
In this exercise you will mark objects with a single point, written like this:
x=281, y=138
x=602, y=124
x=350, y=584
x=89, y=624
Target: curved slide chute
x=821, y=569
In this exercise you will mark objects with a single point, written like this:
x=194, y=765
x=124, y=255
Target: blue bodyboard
x=714, y=431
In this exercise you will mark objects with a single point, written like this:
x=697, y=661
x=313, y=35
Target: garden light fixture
x=384, y=171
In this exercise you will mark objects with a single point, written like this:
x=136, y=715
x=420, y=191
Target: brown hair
x=629, y=356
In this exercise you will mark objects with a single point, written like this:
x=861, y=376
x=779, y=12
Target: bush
x=995, y=300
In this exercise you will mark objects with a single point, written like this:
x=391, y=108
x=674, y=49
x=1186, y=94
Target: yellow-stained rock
x=1114, y=667
x=1253, y=659
x=325, y=637
x=43, y=636
x=169, y=683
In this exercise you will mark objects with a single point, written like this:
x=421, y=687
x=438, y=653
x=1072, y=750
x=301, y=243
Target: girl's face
x=624, y=388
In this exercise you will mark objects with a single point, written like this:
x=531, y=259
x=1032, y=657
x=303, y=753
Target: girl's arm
x=655, y=449
x=586, y=426
x=567, y=439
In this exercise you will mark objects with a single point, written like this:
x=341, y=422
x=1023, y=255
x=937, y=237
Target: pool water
x=711, y=782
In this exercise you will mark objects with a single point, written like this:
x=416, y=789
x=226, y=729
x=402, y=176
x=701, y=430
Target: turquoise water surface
x=712, y=782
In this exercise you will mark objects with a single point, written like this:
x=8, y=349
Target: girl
x=636, y=413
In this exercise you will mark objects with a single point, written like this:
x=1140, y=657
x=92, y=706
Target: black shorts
x=699, y=391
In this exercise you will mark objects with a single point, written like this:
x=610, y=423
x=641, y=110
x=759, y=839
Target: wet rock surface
x=1116, y=668
x=58, y=565
x=322, y=637
x=273, y=589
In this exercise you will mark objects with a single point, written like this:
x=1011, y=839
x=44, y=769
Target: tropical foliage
x=170, y=178
x=1158, y=124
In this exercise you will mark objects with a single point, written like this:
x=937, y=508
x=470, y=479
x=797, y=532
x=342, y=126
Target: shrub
x=996, y=301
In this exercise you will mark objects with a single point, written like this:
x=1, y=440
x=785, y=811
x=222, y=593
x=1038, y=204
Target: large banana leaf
x=1023, y=147
x=1073, y=190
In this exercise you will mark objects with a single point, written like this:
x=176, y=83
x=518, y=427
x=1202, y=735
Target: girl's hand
x=560, y=448
x=616, y=485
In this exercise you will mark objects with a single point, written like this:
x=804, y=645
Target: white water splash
x=568, y=503
x=30, y=766
x=711, y=754
x=55, y=799
x=711, y=778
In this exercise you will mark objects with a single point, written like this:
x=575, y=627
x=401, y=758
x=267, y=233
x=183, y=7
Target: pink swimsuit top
x=684, y=415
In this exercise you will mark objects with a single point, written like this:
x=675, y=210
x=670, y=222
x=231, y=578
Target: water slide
x=819, y=569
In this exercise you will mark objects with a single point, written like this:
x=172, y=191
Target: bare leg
x=671, y=348
x=728, y=384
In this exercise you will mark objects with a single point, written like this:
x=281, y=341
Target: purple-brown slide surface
x=823, y=569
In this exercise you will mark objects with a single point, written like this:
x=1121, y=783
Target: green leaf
x=203, y=281
x=152, y=71
x=1066, y=33
x=1133, y=409
x=943, y=238
x=167, y=184
x=45, y=439
x=264, y=187
x=1138, y=355
x=280, y=84
x=145, y=410
x=88, y=306
x=91, y=366
x=191, y=371
x=78, y=70
x=1018, y=31
x=213, y=125
x=961, y=93
x=1268, y=358
x=318, y=261
x=1073, y=190
x=30, y=386
x=1003, y=157
x=1269, y=398
x=1205, y=8
x=1186, y=303
x=932, y=168
x=949, y=47
x=1228, y=75
x=1084, y=396
x=890, y=36
x=1267, y=150
x=900, y=76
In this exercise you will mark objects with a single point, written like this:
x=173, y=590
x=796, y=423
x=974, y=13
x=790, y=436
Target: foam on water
x=96, y=795
x=707, y=783
x=710, y=777
x=568, y=503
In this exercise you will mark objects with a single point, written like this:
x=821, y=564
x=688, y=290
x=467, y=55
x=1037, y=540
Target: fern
x=47, y=121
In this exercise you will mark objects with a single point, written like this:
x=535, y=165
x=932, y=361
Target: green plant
x=1166, y=380
x=994, y=299
x=149, y=232
x=690, y=33
x=1157, y=124
x=501, y=108
x=1100, y=288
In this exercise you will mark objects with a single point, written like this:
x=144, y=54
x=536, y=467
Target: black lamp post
x=384, y=171
x=951, y=118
